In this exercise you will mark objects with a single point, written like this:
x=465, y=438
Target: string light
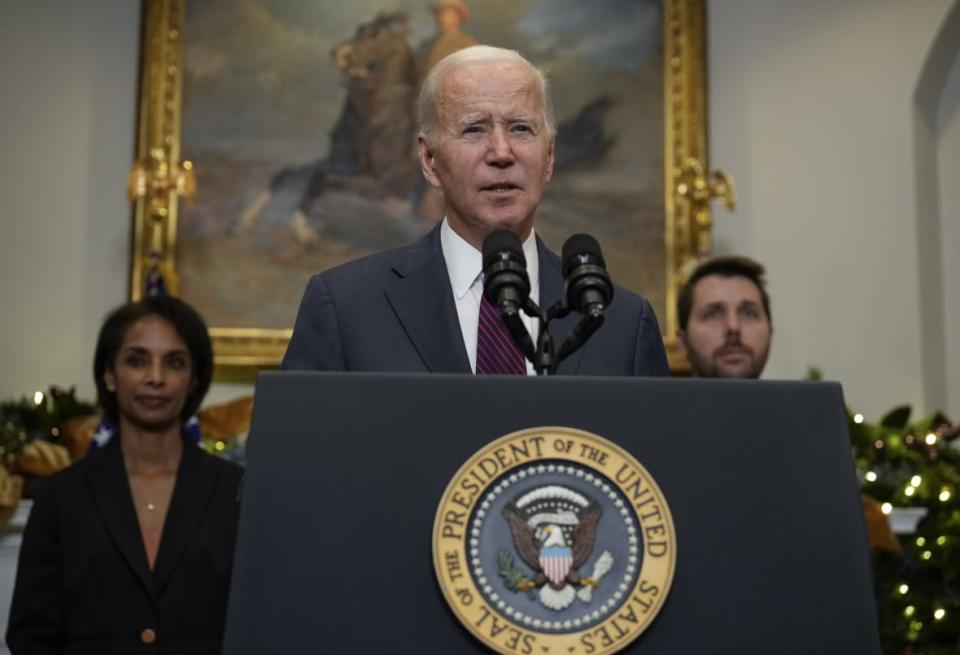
x=931, y=439
x=909, y=491
x=858, y=418
x=915, y=481
x=944, y=495
x=927, y=554
x=903, y=589
x=941, y=540
x=921, y=541
x=38, y=398
x=870, y=476
x=908, y=612
x=878, y=444
x=886, y=508
x=219, y=446
x=939, y=614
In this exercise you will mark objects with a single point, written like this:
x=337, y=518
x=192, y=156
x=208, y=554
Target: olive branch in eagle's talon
x=513, y=577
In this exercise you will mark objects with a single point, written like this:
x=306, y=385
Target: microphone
x=505, y=280
x=589, y=289
x=507, y=286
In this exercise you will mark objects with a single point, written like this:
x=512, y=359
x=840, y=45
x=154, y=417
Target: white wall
x=811, y=110
x=69, y=74
x=948, y=154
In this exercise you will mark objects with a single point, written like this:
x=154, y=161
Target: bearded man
x=724, y=315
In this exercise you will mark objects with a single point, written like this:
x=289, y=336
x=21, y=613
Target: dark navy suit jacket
x=83, y=583
x=394, y=311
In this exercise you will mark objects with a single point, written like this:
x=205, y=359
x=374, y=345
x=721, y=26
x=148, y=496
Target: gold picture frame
x=159, y=179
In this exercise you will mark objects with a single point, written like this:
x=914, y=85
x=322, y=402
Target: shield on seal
x=555, y=562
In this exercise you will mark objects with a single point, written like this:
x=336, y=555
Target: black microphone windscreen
x=499, y=241
x=577, y=246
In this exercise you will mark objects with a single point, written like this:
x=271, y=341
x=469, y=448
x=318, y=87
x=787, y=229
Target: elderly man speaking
x=486, y=141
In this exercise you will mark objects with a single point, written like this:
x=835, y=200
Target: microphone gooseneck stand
x=546, y=358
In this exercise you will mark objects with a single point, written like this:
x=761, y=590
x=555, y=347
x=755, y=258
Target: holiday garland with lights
x=41, y=416
x=917, y=581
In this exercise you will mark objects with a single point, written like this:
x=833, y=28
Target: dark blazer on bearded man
x=394, y=311
x=83, y=582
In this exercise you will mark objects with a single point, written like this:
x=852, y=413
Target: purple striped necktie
x=496, y=352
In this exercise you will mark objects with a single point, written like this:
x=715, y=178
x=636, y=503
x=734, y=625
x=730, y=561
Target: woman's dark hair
x=188, y=324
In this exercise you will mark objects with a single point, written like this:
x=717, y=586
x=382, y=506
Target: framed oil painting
x=277, y=139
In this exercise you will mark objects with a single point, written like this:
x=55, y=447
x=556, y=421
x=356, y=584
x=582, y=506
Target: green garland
x=904, y=464
x=39, y=417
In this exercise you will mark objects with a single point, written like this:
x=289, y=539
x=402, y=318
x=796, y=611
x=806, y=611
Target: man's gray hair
x=427, y=117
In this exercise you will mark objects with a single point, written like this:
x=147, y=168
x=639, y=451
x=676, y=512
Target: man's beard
x=711, y=366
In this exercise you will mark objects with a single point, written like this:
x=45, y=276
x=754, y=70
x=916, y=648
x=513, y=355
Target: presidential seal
x=554, y=540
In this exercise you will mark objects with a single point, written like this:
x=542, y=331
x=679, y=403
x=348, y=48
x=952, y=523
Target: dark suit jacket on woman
x=394, y=312
x=83, y=583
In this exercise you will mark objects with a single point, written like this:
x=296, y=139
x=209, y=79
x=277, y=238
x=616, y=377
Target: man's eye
x=713, y=312
x=522, y=128
x=473, y=129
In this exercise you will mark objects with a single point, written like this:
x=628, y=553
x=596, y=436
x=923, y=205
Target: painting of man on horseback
x=370, y=149
x=299, y=118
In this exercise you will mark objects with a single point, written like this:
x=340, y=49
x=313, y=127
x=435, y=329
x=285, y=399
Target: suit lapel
x=192, y=492
x=422, y=299
x=552, y=288
x=111, y=492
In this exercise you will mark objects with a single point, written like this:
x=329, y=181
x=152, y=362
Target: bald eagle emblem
x=553, y=530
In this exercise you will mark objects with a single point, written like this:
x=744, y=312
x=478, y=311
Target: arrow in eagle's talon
x=604, y=563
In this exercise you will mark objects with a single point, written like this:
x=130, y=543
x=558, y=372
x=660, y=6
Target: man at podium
x=486, y=141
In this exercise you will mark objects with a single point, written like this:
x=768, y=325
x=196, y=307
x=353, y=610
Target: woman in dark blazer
x=130, y=550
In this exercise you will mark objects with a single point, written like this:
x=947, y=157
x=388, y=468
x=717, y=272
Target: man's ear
x=427, y=161
x=550, y=153
x=682, y=341
x=110, y=380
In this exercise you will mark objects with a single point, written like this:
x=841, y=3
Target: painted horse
x=371, y=144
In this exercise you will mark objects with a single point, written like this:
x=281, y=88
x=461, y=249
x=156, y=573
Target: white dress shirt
x=465, y=267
